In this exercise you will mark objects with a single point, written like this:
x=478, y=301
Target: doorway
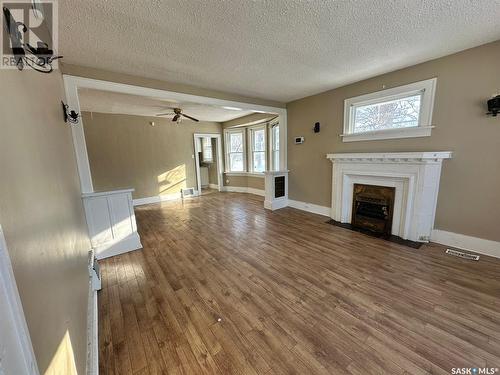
x=208, y=162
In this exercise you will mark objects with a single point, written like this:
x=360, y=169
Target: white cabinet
x=111, y=222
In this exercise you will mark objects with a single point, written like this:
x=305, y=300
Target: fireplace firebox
x=372, y=208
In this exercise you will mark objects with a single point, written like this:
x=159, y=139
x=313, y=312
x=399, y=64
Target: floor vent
x=461, y=254
x=189, y=192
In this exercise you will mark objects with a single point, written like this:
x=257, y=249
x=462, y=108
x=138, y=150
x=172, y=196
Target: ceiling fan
x=177, y=112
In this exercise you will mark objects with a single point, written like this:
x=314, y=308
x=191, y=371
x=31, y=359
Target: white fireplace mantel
x=414, y=175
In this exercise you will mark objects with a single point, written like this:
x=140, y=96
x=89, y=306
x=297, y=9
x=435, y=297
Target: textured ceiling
x=271, y=49
x=111, y=102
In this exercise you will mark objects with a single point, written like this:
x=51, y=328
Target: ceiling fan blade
x=166, y=114
x=189, y=117
x=176, y=117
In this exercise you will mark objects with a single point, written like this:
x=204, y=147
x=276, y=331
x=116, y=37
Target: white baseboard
x=129, y=243
x=160, y=198
x=461, y=241
x=156, y=199
x=310, y=207
x=213, y=186
x=241, y=189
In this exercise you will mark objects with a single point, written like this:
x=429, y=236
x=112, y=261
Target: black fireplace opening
x=372, y=208
x=279, y=186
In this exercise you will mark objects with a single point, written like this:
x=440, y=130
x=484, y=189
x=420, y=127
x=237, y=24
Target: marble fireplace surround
x=415, y=175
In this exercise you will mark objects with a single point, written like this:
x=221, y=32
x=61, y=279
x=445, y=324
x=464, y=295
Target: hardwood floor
x=293, y=294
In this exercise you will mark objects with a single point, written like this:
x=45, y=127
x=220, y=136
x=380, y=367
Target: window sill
x=419, y=131
x=245, y=174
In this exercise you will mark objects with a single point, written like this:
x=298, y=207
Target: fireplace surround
x=413, y=175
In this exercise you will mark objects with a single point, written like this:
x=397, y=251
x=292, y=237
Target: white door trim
x=73, y=83
x=220, y=169
x=8, y=282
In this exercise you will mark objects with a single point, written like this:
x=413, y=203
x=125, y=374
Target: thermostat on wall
x=299, y=140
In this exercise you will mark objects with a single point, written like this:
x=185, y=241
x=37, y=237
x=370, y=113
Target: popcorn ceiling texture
x=277, y=50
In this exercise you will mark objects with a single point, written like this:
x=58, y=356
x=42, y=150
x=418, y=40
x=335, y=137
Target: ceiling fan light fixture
x=178, y=115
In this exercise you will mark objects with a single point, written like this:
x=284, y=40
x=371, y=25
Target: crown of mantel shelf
x=392, y=157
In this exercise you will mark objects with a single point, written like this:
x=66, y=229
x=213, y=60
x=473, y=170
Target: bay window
x=275, y=147
x=235, y=151
x=258, y=149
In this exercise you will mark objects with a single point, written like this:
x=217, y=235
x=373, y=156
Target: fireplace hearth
x=372, y=208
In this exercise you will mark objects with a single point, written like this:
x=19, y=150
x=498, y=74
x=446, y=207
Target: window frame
x=426, y=88
x=251, y=132
x=227, y=135
x=204, y=147
x=274, y=162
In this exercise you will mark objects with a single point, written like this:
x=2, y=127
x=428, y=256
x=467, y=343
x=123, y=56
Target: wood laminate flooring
x=223, y=286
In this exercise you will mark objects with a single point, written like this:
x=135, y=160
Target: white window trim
x=251, y=130
x=226, y=151
x=424, y=128
x=272, y=125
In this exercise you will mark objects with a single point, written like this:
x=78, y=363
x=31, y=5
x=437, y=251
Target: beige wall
x=105, y=75
x=42, y=216
x=244, y=181
x=468, y=200
x=125, y=151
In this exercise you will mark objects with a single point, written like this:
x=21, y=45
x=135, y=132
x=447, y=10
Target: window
x=206, y=148
x=258, y=149
x=235, y=151
x=400, y=112
x=275, y=147
x=392, y=114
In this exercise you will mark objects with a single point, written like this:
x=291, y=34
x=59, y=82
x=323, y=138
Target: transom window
x=391, y=114
x=235, y=146
x=400, y=112
x=258, y=149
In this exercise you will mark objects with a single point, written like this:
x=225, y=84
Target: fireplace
x=372, y=208
x=414, y=175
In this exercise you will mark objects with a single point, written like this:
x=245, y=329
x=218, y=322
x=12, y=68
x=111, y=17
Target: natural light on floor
x=172, y=180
